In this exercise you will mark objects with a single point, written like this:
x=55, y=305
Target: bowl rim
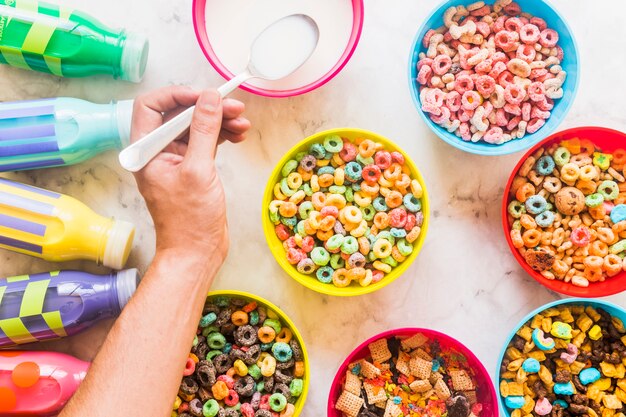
x=528, y=317
x=393, y=332
x=549, y=284
x=493, y=150
x=307, y=362
x=199, y=24
x=305, y=280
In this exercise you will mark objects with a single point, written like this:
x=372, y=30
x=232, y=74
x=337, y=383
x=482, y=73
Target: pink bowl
x=486, y=392
x=199, y=7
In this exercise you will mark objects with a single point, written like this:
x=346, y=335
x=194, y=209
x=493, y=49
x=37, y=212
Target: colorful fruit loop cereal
x=244, y=362
x=566, y=361
x=490, y=73
x=347, y=212
x=410, y=377
x=567, y=212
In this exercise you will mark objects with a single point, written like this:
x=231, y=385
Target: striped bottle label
x=28, y=320
x=23, y=213
x=28, y=136
x=28, y=50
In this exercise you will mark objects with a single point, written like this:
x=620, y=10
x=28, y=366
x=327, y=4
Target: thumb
x=205, y=128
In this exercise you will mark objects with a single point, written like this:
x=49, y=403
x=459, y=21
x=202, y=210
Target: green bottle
x=68, y=43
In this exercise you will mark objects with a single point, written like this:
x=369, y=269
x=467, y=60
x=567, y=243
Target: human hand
x=180, y=185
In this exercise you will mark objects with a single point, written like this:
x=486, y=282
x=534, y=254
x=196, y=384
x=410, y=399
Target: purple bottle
x=58, y=304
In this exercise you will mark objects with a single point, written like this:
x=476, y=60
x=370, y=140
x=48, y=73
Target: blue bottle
x=60, y=131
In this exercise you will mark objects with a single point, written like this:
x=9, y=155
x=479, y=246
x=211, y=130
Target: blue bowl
x=542, y=9
x=610, y=308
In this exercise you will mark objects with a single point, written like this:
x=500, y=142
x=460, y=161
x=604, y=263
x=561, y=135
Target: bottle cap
x=126, y=284
x=124, y=118
x=134, y=57
x=118, y=245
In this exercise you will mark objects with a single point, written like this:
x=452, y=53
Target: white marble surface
x=465, y=282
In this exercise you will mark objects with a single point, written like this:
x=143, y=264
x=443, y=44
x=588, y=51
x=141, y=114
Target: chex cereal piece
x=471, y=397
x=353, y=384
x=420, y=368
x=420, y=386
x=385, y=366
x=403, y=365
x=392, y=410
x=349, y=404
x=374, y=393
x=428, y=393
x=382, y=404
x=442, y=390
x=421, y=353
x=380, y=351
x=368, y=370
x=461, y=381
x=414, y=341
x=434, y=377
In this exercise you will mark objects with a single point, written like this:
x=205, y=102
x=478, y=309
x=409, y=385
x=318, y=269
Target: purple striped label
x=22, y=225
x=28, y=148
x=18, y=244
x=26, y=204
x=27, y=132
x=18, y=166
x=29, y=188
x=25, y=112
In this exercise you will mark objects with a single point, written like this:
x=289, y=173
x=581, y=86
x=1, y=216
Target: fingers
x=148, y=109
x=233, y=108
x=237, y=126
x=232, y=137
x=205, y=128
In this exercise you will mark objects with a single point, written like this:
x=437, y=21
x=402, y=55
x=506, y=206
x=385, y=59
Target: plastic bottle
x=60, y=131
x=58, y=228
x=58, y=304
x=65, y=42
x=37, y=383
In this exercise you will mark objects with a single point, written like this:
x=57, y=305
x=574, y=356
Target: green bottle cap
x=134, y=57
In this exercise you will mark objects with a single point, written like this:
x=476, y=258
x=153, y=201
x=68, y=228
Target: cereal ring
x=514, y=94
x=266, y=334
x=246, y=335
x=609, y=190
x=340, y=278
x=548, y=38
x=471, y=100
x=545, y=219
x=545, y=165
x=524, y=192
x=536, y=204
x=441, y=64
x=529, y=34
x=531, y=238
x=580, y=236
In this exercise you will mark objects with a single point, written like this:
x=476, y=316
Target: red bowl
x=199, y=8
x=486, y=392
x=605, y=139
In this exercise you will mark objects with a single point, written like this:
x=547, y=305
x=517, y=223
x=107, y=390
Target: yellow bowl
x=299, y=405
x=276, y=245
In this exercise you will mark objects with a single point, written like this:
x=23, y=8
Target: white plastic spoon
x=277, y=52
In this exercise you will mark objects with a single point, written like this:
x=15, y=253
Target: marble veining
x=465, y=282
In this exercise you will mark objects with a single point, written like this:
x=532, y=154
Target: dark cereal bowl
x=247, y=360
x=567, y=358
x=412, y=372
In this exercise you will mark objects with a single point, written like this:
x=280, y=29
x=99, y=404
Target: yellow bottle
x=58, y=228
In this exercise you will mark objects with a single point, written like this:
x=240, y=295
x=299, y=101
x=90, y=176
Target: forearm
x=138, y=370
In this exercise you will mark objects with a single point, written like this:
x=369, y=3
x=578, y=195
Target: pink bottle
x=37, y=383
